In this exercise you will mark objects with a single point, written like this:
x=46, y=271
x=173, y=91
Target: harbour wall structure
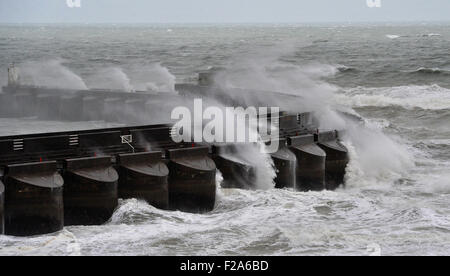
x=72, y=178
x=49, y=180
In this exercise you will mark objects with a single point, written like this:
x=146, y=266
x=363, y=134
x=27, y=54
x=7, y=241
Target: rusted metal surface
x=192, y=180
x=33, y=199
x=144, y=176
x=310, y=172
x=285, y=163
x=337, y=158
x=90, y=190
x=2, y=210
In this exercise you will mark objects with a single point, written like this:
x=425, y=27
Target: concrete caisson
x=310, y=172
x=192, y=180
x=144, y=176
x=2, y=202
x=285, y=163
x=337, y=158
x=90, y=190
x=33, y=199
x=236, y=172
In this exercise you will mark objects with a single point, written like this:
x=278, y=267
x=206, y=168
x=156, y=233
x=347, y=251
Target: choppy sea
x=395, y=78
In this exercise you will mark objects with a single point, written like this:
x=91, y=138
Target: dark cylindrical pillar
x=285, y=164
x=192, y=180
x=2, y=213
x=310, y=163
x=236, y=173
x=33, y=199
x=144, y=176
x=90, y=190
x=337, y=158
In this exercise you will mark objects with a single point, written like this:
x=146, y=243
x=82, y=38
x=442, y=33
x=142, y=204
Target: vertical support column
x=237, y=173
x=192, y=180
x=285, y=163
x=310, y=163
x=33, y=199
x=337, y=158
x=90, y=190
x=2, y=210
x=144, y=176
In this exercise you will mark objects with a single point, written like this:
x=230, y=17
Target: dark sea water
x=395, y=78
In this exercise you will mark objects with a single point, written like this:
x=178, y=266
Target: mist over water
x=387, y=86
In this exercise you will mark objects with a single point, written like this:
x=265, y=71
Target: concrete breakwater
x=57, y=179
x=49, y=180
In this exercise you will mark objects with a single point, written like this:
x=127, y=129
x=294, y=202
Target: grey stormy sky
x=221, y=11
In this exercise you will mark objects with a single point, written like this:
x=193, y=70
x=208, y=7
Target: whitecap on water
x=431, y=97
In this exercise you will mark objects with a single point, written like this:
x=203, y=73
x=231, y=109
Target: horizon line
x=230, y=22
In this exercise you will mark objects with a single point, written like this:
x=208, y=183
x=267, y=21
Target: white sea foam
x=392, y=36
x=431, y=97
x=431, y=35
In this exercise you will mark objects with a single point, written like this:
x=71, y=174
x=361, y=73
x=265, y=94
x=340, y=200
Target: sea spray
x=112, y=78
x=50, y=73
x=152, y=77
x=375, y=154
